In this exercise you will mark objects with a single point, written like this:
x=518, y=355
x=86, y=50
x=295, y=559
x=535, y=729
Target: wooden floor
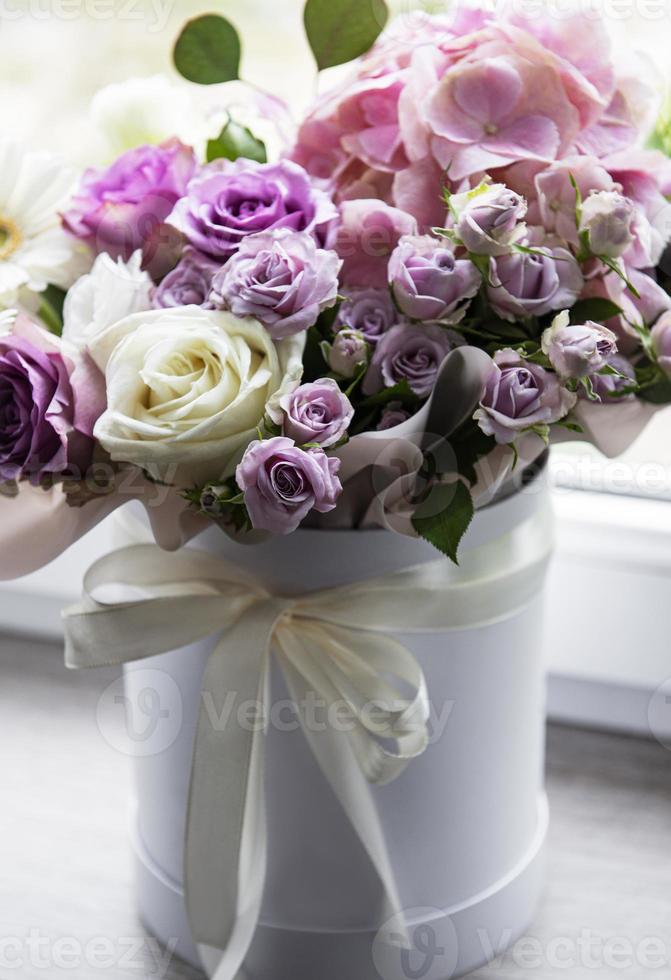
x=66, y=891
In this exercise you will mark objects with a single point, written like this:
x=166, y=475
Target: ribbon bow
x=332, y=643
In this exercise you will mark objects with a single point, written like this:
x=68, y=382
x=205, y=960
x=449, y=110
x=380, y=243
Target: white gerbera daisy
x=34, y=250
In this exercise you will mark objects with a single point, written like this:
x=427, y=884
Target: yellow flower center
x=10, y=237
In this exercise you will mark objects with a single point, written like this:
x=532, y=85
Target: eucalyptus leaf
x=208, y=50
x=444, y=517
x=342, y=30
x=236, y=141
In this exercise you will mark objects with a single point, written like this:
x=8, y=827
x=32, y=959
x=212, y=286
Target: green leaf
x=235, y=141
x=470, y=444
x=401, y=392
x=341, y=30
x=483, y=264
x=314, y=363
x=208, y=50
x=614, y=267
x=597, y=308
x=658, y=393
x=51, y=309
x=443, y=518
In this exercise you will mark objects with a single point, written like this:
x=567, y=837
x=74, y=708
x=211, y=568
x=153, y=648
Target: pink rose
x=368, y=233
x=556, y=194
x=645, y=178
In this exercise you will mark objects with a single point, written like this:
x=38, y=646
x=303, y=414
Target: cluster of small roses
x=239, y=236
x=536, y=131
x=493, y=279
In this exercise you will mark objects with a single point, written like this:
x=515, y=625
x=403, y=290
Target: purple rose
x=661, y=342
x=189, y=283
x=427, y=281
x=605, y=386
x=316, y=412
x=487, y=218
x=526, y=284
x=228, y=202
x=281, y=278
x=348, y=352
x=371, y=312
x=283, y=483
x=519, y=395
x=607, y=219
x=121, y=208
x=393, y=415
x=48, y=407
x=578, y=350
x=409, y=353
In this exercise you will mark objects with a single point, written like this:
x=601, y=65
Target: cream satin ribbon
x=332, y=643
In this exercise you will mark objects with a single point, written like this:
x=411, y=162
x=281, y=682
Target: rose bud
x=607, y=219
x=348, y=353
x=488, y=218
x=393, y=415
x=577, y=350
x=189, y=283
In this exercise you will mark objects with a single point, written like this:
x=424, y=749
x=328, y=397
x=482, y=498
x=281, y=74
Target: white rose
x=111, y=291
x=187, y=388
x=142, y=110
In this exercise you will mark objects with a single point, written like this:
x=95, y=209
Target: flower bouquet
x=456, y=259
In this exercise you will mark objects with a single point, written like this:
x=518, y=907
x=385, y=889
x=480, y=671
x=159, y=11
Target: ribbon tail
x=337, y=760
x=253, y=862
x=225, y=856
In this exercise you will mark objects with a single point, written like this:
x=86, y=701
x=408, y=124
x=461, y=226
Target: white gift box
x=465, y=824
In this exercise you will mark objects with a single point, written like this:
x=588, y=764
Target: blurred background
x=55, y=54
